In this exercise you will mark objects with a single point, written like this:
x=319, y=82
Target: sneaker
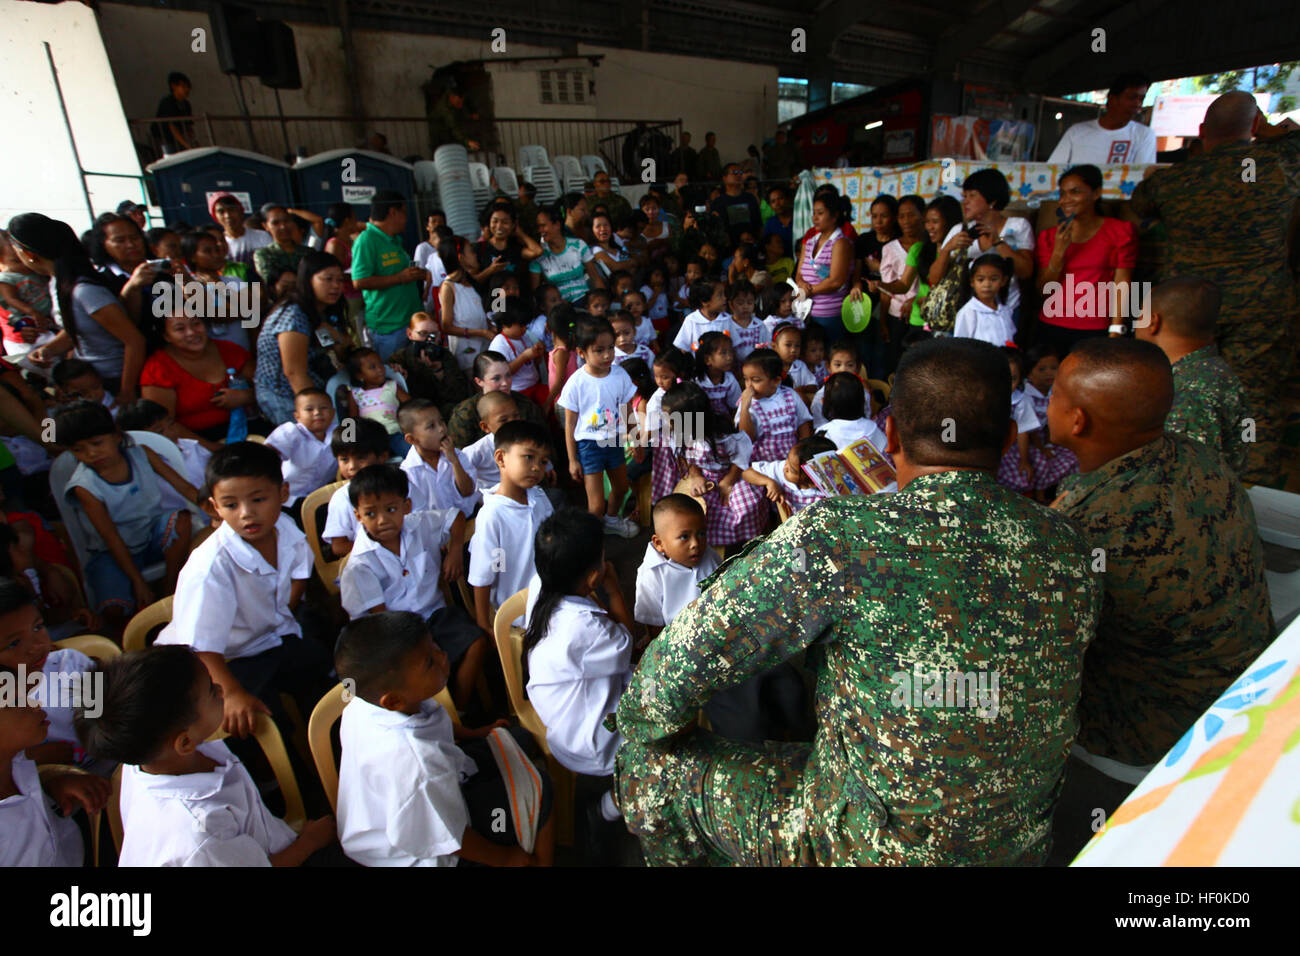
x=624, y=526
x=613, y=525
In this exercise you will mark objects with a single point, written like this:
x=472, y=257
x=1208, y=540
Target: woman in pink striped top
x=826, y=262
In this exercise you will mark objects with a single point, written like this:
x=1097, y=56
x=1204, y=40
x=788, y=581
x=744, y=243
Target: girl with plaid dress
x=709, y=451
x=1051, y=462
x=771, y=414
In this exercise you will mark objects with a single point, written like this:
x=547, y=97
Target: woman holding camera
x=119, y=249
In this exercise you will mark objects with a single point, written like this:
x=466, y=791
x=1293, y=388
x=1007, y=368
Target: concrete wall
x=40, y=170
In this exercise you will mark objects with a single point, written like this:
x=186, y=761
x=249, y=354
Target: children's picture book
x=856, y=469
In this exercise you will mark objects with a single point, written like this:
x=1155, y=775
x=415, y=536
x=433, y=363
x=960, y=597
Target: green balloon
x=856, y=315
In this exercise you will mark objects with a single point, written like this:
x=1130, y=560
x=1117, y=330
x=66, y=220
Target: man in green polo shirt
x=382, y=270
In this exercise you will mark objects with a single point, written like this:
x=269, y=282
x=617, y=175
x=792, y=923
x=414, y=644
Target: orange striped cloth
x=523, y=786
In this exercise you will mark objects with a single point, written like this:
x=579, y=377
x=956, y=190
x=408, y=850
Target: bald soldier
x=1209, y=404
x=1186, y=606
x=944, y=626
x=1226, y=213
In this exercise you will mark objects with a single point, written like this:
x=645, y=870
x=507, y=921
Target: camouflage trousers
x=708, y=801
x=1262, y=356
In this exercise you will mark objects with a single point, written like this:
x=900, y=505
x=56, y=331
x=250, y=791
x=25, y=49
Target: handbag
x=947, y=296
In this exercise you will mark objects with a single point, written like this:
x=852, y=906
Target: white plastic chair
x=543, y=177
x=342, y=377
x=533, y=156
x=480, y=181
x=569, y=172
x=70, y=513
x=593, y=164
x=506, y=181
x=426, y=176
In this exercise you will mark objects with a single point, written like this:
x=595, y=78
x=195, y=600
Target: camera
x=161, y=265
x=425, y=348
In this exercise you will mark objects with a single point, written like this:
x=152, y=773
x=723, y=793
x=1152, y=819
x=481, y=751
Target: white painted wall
x=38, y=171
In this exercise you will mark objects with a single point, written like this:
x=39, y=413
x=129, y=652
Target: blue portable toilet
x=190, y=180
x=354, y=176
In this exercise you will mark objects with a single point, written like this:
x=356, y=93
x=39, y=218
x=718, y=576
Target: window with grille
x=569, y=87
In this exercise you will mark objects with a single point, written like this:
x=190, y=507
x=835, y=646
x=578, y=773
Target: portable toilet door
x=189, y=182
x=354, y=176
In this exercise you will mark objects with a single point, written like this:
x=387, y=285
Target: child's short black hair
x=561, y=320
x=1001, y=263
x=701, y=292
x=785, y=327
x=589, y=329
x=633, y=291
x=807, y=449
x=12, y=594
x=844, y=397
x=675, y=504
x=311, y=390
x=82, y=420
x=767, y=361
x=514, y=313
x=639, y=372
x=70, y=368
x=244, y=459
x=843, y=347
x=540, y=294
x=741, y=287
x=368, y=437
x=147, y=697
x=370, y=650
x=680, y=362
x=140, y=415
x=812, y=332
x=521, y=432
x=599, y=294
x=409, y=412
x=376, y=480
x=354, y=359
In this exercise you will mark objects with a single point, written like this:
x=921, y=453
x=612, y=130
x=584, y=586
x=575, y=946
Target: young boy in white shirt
x=304, y=444
x=625, y=344
x=677, y=559
x=501, y=551
x=409, y=795
x=237, y=594
x=435, y=467
x=357, y=443
x=709, y=300
x=396, y=564
x=785, y=482
x=494, y=410
x=185, y=800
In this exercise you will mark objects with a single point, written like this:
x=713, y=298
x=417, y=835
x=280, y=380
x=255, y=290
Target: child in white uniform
x=985, y=316
x=409, y=795
x=185, y=800
x=785, y=482
x=676, y=560
x=846, y=414
x=304, y=444
x=436, y=468
x=843, y=358
x=357, y=443
x=709, y=301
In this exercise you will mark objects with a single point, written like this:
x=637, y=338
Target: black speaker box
x=238, y=38
x=279, y=67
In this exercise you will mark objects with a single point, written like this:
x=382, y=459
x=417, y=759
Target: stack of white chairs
x=505, y=180
x=480, y=181
x=568, y=170
x=544, y=178
x=456, y=191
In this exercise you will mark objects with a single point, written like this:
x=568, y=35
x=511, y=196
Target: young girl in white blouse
x=843, y=358
x=715, y=361
x=577, y=653
x=846, y=413
x=985, y=316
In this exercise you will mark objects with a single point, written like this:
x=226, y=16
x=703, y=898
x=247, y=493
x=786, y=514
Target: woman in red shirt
x=188, y=377
x=1074, y=258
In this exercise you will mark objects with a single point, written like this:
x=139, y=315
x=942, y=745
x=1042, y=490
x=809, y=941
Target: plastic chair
x=644, y=505
x=426, y=176
x=568, y=170
x=480, y=181
x=544, y=178
x=506, y=181
x=533, y=156
x=323, y=717
x=94, y=818
x=509, y=641
x=272, y=744
x=876, y=385
x=260, y=439
x=327, y=567
x=783, y=511
x=592, y=164
x=93, y=646
x=137, y=630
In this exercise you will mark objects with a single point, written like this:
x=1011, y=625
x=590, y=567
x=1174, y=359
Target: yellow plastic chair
x=783, y=511
x=327, y=567
x=92, y=645
x=875, y=385
x=137, y=631
x=60, y=768
x=509, y=641
x=272, y=744
x=260, y=439
x=323, y=717
x=644, y=504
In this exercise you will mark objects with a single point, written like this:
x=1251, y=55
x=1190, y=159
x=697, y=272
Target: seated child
x=709, y=450
x=374, y=396
x=709, y=300
x=63, y=613
x=64, y=683
x=1016, y=470
x=777, y=306
x=146, y=416
x=409, y=795
x=24, y=303
x=747, y=333
x=986, y=316
x=788, y=344
x=785, y=482
x=434, y=467
x=545, y=297
x=598, y=302
x=36, y=824
x=512, y=327
x=494, y=410
x=1051, y=462
x=429, y=367
x=396, y=564
x=846, y=413
x=118, y=488
x=676, y=560
x=76, y=380
x=238, y=591
x=363, y=444
x=648, y=306
x=304, y=444
x=715, y=362
x=626, y=345
x=844, y=358
x=813, y=355
x=501, y=550
x=771, y=414
x=577, y=654
x=185, y=800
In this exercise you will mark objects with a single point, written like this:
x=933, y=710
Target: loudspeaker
x=238, y=39
x=279, y=66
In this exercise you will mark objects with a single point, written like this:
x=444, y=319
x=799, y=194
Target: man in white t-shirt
x=241, y=242
x=1114, y=137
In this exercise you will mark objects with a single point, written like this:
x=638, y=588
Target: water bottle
x=238, y=428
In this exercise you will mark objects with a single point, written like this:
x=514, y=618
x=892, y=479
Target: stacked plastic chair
x=506, y=181
x=456, y=191
x=533, y=156
x=570, y=173
x=543, y=177
x=426, y=176
x=480, y=181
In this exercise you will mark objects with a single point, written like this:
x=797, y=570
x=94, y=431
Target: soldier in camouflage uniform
x=1226, y=213
x=953, y=575
x=1209, y=403
x=1186, y=604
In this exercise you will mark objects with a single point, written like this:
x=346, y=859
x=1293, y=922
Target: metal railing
x=286, y=137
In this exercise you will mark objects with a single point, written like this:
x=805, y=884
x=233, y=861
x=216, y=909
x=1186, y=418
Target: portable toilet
x=189, y=181
x=354, y=176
